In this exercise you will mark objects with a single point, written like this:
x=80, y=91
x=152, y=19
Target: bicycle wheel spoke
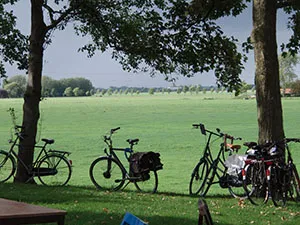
x=107, y=174
x=149, y=185
x=7, y=166
x=199, y=180
x=54, y=170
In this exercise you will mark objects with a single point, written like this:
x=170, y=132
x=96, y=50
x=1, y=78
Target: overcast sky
x=61, y=59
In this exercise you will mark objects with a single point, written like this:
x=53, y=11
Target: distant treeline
x=16, y=85
x=78, y=86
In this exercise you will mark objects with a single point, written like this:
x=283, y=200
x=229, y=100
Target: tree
x=164, y=36
x=263, y=38
x=78, y=92
x=151, y=91
x=296, y=87
x=287, y=73
x=68, y=92
x=15, y=86
x=185, y=89
x=3, y=93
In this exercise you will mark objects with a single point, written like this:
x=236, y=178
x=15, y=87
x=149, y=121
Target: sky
x=62, y=60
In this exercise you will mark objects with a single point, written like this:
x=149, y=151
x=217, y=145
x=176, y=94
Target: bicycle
x=109, y=173
x=50, y=166
x=268, y=175
x=208, y=167
x=256, y=175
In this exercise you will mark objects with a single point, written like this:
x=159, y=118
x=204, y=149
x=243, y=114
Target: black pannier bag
x=141, y=163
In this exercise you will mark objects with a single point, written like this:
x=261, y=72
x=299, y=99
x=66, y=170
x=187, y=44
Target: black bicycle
x=52, y=167
x=109, y=173
x=269, y=174
x=211, y=170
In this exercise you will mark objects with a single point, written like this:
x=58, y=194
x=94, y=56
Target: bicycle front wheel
x=107, y=174
x=54, y=170
x=149, y=185
x=7, y=166
x=198, y=182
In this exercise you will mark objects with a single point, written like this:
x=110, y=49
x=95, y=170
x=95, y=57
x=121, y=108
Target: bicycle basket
x=141, y=163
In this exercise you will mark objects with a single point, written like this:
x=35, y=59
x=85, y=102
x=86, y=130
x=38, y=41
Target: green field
x=163, y=123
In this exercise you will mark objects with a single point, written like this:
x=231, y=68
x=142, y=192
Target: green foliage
x=55, y=88
x=163, y=36
x=151, y=91
x=295, y=86
x=287, y=63
x=292, y=8
x=185, y=89
x=13, y=44
x=15, y=86
x=68, y=92
x=245, y=87
x=78, y=92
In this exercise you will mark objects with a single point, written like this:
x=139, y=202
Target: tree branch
x=63, y=14
x=285, y=3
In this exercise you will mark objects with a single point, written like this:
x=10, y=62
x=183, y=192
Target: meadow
x=163, y=123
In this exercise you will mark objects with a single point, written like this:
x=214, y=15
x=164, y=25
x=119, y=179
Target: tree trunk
x=33, y=90
x=269, y=108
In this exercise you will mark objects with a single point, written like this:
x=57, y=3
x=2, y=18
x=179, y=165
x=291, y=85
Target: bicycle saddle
x=133, y=141
x=233, y=147
x=48, y=141
x=250, y=144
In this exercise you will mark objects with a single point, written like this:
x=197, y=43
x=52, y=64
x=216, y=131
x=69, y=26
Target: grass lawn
x=163, y=123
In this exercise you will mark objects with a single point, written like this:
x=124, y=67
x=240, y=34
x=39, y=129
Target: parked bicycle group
x=263, y=172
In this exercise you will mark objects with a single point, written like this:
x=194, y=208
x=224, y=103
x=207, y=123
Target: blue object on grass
x=130, y=219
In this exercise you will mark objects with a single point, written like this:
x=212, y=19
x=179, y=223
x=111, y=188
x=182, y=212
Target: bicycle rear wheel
x=7, y=166
x=295, y=183
x=198, y=182
x=149, y=185
x=278, y=184
x=255, y=183
x=107, y=174
x=54, y=170
x=235, y=186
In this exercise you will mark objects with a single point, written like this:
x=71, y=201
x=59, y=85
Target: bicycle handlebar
x=114, y=130
x=219, y=133
x=287, y=140
x=19, y=132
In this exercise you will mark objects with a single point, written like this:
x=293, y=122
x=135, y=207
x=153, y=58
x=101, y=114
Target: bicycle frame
x=112, y=154
x=42, y=152
x=214, y=166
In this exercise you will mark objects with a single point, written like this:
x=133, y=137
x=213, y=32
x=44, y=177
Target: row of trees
x=16, y=86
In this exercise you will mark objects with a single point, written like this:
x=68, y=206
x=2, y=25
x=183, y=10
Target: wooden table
x=17, y=213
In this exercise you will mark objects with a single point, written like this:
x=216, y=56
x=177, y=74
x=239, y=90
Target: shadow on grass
x=86, y=205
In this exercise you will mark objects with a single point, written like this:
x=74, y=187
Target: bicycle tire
x=104, y=179
x=235, y=187
x=54, y=170
x=7, y=166
x=255, y=184
x=278, y=184
x=148, y=186
x=294, y=190
x=198, y=182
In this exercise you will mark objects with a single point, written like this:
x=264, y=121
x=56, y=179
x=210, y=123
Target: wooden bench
x=17, y=213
